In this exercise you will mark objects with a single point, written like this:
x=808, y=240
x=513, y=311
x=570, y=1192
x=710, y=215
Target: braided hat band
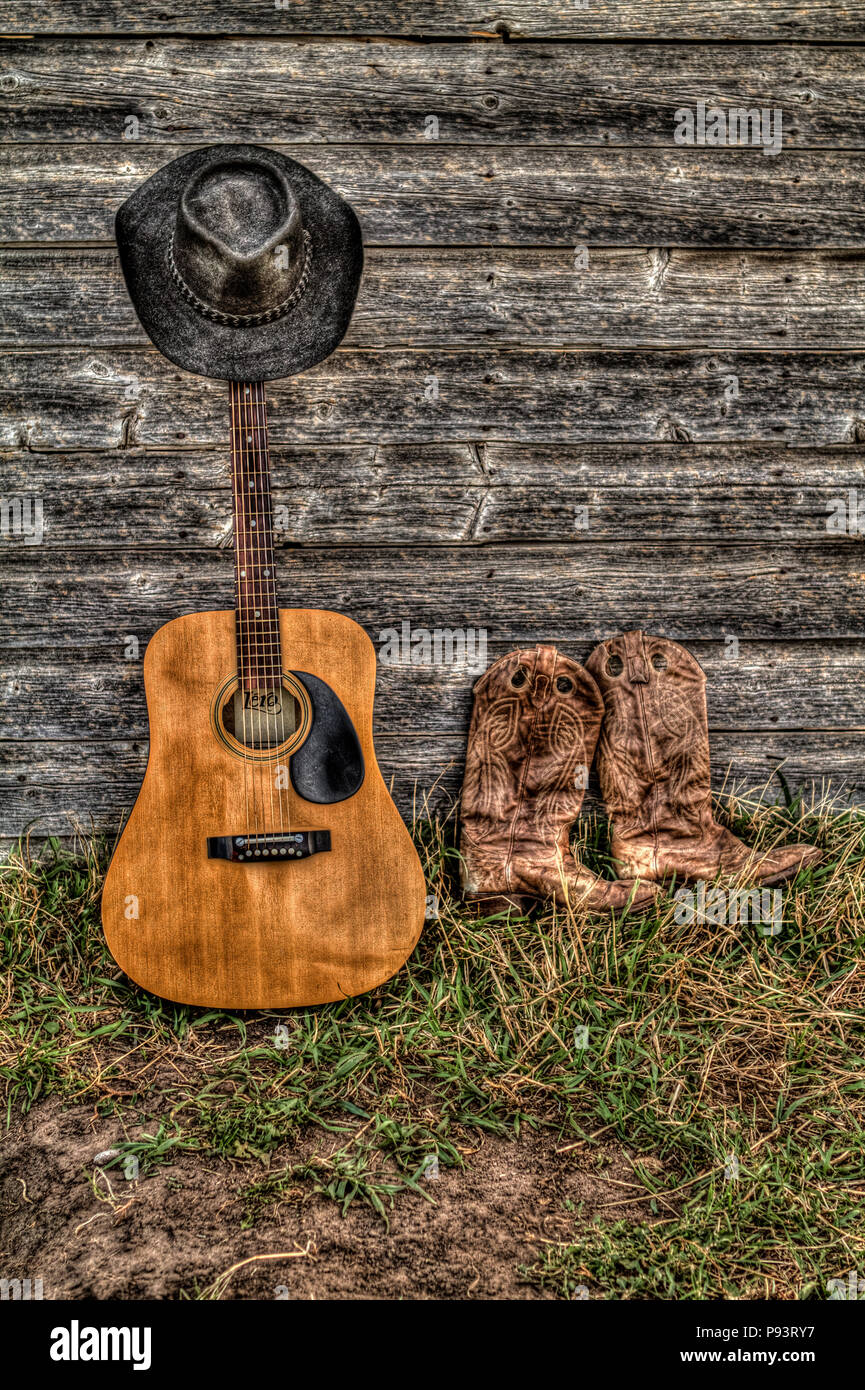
x=244, y=320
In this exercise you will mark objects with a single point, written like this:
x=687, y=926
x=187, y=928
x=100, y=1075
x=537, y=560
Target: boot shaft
x=533, y=732
x=653, y=752
x=653, y=762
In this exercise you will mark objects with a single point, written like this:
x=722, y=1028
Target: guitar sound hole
x=260, y=718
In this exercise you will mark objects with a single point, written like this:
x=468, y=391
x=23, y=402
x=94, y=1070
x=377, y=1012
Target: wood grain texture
x=665, y=19
x=72, y=399
x=207, y=931
x=448, y=494
x=466, y=196
x=88, y=697
x=183, y=90
x=424, y=774
x=717, y=320
x=445, y=297
x=516, y=593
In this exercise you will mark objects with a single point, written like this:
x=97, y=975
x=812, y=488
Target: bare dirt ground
x=176, y=1232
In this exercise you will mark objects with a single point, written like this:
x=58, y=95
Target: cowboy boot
x=653, y=762
x=533, y=733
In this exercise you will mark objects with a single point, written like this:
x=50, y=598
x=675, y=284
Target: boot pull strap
x=635, y=657
x=546, y=660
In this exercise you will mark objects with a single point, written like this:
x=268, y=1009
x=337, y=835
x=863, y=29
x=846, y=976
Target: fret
x=261, y=646
x=259, y=659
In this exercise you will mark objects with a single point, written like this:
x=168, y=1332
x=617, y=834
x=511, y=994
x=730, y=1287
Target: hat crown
x=238, y=239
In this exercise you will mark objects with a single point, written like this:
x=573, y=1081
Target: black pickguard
x=329, y=764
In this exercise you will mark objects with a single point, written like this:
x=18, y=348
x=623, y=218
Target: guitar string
x=251, y=638
x=251, y=642
x=265, y=642
x=263, y=619
x=240, y=625
x=248, y=722
x=276, y=770
x=255, y=694
x=252, y=457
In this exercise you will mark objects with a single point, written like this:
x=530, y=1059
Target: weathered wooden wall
x=694, y=378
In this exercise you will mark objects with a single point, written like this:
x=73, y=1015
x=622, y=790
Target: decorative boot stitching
x=654, y=792
x=530, y=744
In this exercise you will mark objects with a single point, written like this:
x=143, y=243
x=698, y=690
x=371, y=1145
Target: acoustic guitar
x=264, y=864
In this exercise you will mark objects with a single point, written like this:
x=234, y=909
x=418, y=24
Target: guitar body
x=266, y=931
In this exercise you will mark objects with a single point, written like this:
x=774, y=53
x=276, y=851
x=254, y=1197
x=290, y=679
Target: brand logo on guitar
x=267, y=700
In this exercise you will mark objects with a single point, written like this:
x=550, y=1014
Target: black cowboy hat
x=240, y=263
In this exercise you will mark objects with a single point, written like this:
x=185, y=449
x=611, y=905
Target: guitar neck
x=259, y=660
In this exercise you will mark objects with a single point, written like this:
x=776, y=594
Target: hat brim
x=307, y=334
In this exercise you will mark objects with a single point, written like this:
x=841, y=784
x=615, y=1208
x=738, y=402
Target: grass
x=729, y=1064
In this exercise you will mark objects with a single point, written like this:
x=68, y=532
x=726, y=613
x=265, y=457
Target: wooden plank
x=670, y=493
x=91, y=691
x=833, y=20
x=73, y=399
x=774, y=591
x=192, y=92
x=450, y=494
x=57, y=787
x=454, y=195
x=635, y=297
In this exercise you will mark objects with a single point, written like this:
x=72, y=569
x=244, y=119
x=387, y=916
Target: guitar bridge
x=268, y=849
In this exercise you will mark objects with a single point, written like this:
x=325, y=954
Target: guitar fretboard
x=259, y=661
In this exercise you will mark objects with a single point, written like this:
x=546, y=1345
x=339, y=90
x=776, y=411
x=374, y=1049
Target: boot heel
x=491, y=904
